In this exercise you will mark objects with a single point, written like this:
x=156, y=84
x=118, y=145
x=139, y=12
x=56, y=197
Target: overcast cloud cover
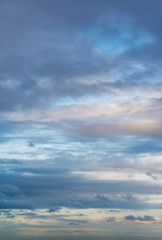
x=80, y=119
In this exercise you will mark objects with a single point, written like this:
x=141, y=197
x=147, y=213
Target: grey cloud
x=139, y=127
x=130, y=217
x=70, y=190
x=15, y=204
x=129, y=197
x=76, y=222
x=152, y=176
x=7, y=213
x=9, y=189
x=102, y=198
x=139, y=218
x=30, y=144
x=11, y=216
x=114, y=211
x=38, y=65
x=56, y=209
x=110, y=219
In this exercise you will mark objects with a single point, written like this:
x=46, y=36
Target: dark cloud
x=152, y=176
x=47, y=46
x=110, y=219
x=7, y=214
x=56, y=209
x=9, y=189
x=70, y=190
x=76, y=222
x=102, y=198
x=30, y=144
x=139, y=218
x=114, y=211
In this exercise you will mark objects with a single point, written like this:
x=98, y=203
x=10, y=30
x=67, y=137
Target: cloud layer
x=80, y=119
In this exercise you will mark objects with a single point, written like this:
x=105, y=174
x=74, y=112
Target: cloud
x=149, y=174
x=110, y=219
x=139, y=218
x=48, y=48
x=80, y=115
x=114, y=211
x=30, y=144
x=76, y=222
x=138, y=127
x=68, y=189
x=10, y=189
x=56, y=209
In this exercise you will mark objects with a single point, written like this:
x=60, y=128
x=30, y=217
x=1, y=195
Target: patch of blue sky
x=113, y=44
x=16, y=145
x=121, y=40
x=83, y=100
x=74, y=150
x=97, y=99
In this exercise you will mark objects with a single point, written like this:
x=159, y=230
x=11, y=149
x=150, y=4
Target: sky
x=80, y=119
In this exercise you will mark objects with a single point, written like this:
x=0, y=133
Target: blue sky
x=80, y=119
